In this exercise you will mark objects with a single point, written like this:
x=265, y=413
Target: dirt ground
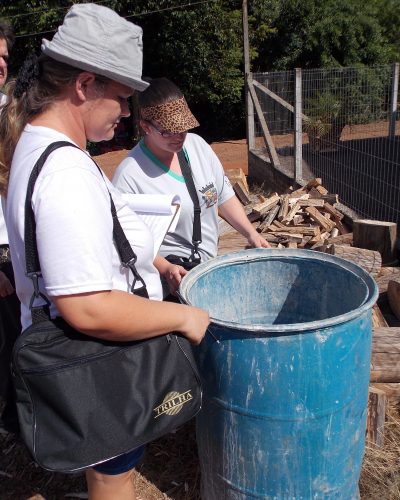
x=170, y=469
x=232, y=154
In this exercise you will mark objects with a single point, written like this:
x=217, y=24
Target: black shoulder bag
x=82, y=400
x=194, y=259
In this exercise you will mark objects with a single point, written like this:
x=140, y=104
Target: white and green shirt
x=141, y=172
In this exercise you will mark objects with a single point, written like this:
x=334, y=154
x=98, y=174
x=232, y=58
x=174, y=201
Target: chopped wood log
x=393, y=294
x=241, y=193
x=333, y=211
x=292, y=212
x=385, y=361
x=343, y=239
x=330, y=198
x=305, y=241
x=298, y=192
x=334, y=232
x=298, y=219
x=292, y=244
x=325, y=223
x=311, y=202
x=262, y=208
x=314, y=183
x=375, y=434
x=254, y=216
x=235, y=175
x=279, y=224
x=272, y=238
x=269, y=219
x=295, y=199
x=290, y=236
x=377, y=235
x=321, y=190
x=304, y=230
x=369, y=260
x=342, y=228
x=378, y=319
x=284, y=208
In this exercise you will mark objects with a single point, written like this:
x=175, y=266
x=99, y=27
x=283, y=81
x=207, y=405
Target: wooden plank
x=375, y=434
x=237, y=175
x=269, y=219
x=312, y=183
x=343, y=239
x=262, y=208
x=292, y=212
x=378, y=318
x=284, y=207
x=321, y=190
x=304, y=230
x=333, y=211
x=273, y=156
x=312, y=202
x=325, y=223
x=274, y=96
x=241, y=193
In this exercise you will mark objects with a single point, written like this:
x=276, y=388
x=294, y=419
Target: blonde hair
x=53, y=78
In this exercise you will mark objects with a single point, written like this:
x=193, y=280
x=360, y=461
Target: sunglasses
x=164, y=133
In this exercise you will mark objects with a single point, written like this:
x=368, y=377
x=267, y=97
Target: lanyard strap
x=187, y=175
x=33, y=269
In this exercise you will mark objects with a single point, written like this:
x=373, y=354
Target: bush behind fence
x=349, y=133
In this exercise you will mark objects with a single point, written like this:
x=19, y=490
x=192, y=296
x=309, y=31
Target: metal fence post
x=298, y=135
x=248, y=101
x=393, y=100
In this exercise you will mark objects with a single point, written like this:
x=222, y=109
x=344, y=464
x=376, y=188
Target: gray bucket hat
x=95, y=38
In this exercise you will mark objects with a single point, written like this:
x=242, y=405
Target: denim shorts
x=122, y=463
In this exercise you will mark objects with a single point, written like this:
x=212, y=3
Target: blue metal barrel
x=285, y=369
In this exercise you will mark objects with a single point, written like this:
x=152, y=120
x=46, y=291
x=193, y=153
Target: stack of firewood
x=301, y=218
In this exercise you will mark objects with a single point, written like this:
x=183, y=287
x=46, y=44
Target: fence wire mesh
x=348, y=139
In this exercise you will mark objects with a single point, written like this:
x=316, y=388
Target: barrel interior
x=277, y=291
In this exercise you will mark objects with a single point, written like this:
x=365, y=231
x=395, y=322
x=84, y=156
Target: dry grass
x=170, y=470
x=380, y=476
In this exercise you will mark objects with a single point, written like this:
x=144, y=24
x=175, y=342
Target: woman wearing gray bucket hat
x=77, y=91
x=155, y=166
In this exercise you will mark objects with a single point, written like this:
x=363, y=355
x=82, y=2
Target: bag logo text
x=173, y=403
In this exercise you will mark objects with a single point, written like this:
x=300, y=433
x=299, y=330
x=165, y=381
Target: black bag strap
x=33, y=270
x=187, y=175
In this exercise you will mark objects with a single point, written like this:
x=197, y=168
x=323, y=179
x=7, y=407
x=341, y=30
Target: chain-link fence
x=348, y=133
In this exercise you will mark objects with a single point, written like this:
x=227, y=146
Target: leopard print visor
x=174, y=116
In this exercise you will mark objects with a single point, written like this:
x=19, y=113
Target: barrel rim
x=258, y=253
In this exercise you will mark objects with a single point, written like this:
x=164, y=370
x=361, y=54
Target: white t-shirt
x=3, y=229
x=74, y=225
x=142, y=172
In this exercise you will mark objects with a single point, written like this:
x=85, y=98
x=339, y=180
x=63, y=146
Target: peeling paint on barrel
x=285, y=389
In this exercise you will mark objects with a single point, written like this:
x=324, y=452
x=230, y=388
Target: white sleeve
x=74, y=231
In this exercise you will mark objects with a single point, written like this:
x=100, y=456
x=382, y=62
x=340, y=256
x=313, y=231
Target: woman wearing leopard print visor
x=153, y=167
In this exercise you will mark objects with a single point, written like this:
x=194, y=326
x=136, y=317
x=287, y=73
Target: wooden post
x=298, y=134
x=376, y=417
x=247, y=72
x=393, y=101
x=376, y=235
x=273, y=156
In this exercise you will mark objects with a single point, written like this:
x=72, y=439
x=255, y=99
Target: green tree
x=323, y=33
